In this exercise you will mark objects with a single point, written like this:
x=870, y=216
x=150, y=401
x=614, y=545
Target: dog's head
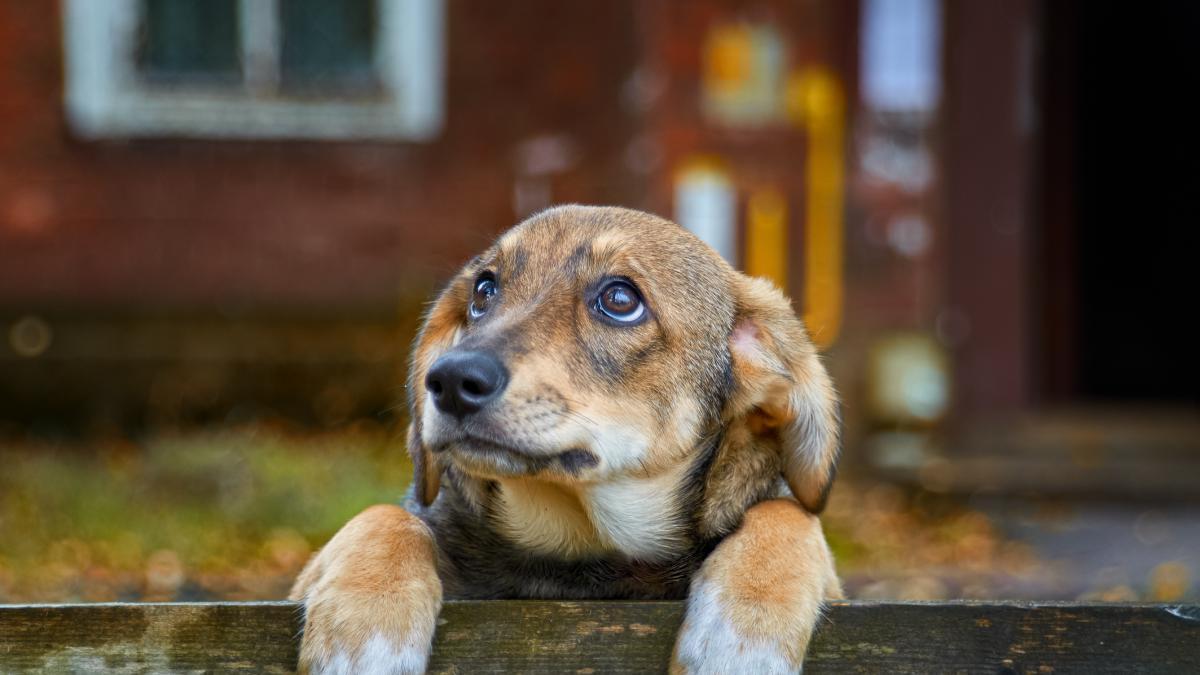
x=589, y=344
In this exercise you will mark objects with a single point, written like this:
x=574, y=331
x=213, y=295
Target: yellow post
x=766, y=236
x=815, y=101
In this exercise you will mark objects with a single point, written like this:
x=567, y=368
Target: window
x=254, y=68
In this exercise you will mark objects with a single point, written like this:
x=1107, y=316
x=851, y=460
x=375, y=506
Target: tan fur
x=771, y=577
x=538, y=305
x=378, y=575
x=721, y=368
x=571, y=520
x=437, y=335
x=785, y=390
x=547, y=518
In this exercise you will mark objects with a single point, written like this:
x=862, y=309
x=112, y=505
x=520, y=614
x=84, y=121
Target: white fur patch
x=711, y=644
x=546, y=518
x=379, y=656
x=637, y=516
x=619, y=448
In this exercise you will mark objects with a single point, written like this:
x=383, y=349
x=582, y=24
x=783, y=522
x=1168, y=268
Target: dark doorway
x=1121, y=201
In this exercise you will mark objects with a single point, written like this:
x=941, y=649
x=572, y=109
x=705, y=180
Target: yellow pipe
x=766, y=236
x=815, y=100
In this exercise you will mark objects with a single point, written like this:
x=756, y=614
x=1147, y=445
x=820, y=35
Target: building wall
x=187, y=279
x=181, y=281
x=303, y=224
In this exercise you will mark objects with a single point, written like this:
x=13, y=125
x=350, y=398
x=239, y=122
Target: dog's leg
x=371, y=597
x=756, y=600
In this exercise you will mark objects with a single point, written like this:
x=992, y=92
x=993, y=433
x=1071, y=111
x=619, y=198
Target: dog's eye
x=485, y=290
x=620, y=302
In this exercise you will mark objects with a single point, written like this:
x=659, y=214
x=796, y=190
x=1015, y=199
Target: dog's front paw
x=757, y=599
x=711, y=642
x=353, y=633
x=371, y=597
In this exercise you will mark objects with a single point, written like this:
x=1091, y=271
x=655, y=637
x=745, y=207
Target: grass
x=230, y=514
x=234, y=514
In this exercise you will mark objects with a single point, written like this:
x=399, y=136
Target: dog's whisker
x=392, y=408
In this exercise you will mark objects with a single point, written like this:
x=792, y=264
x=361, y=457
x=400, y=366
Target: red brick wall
x=303, y=224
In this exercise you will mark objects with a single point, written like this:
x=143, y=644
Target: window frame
x=105, y=97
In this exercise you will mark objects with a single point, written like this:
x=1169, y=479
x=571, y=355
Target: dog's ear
x=782, y=391
x=438, y=333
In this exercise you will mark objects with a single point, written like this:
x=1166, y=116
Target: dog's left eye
x=481, y=298
x=620, y=302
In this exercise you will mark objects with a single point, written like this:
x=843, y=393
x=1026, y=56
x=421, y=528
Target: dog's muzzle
x=464, y=382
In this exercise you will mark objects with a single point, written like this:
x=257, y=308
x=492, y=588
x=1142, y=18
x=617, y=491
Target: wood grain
x=614, y=637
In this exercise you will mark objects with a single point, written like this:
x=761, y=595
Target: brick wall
x=213, y=224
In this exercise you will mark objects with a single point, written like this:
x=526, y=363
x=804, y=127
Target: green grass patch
x=197, y=510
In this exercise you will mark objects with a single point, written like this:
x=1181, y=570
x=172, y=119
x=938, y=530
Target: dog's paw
x=710, y=642
x=348, y=634
x=757, y=600
x=371, y=597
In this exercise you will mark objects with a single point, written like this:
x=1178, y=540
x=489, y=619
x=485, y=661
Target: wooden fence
x=621, y=637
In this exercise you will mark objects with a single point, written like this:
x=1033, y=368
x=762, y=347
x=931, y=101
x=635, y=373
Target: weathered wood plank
x=604, y=637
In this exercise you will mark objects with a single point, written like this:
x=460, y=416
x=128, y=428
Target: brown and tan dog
x=601, y=408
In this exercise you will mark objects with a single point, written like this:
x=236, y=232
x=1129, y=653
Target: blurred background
x=220, y=219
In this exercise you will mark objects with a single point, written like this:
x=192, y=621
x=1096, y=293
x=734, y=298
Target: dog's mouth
x=478, y=445
x=488, y=457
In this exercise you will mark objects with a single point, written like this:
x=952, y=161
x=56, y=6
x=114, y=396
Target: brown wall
x=990, y=112
x=200, y=224
x=186, y=279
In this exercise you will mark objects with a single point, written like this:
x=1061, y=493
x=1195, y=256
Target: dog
x=601, y=407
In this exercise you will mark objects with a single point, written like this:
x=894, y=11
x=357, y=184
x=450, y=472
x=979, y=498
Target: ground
x=234, y=514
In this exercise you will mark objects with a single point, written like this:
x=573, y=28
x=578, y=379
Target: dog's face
x=590, y=344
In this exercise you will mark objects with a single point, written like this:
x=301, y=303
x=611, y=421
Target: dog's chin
x=486, y=458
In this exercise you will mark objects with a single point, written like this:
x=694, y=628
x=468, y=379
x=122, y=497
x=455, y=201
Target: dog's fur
x=638, y=461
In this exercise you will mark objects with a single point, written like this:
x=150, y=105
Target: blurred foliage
x=234, y=514
x=229, y=514
x=915, y=545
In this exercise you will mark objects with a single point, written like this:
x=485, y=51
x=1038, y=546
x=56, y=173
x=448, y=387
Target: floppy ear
x=438, y=333
x=782, y=391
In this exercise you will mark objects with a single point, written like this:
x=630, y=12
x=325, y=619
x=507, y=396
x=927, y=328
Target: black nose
x=462, y=382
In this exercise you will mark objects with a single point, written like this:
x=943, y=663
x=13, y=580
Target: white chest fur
x=638, y=517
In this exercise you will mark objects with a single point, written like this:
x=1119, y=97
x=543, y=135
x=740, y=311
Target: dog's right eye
x=485, y=290
x=619, y=303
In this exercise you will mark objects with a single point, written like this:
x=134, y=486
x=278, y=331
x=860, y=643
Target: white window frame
x=106, y=99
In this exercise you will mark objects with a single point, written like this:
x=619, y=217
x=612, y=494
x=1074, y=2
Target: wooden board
x=605, y=637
